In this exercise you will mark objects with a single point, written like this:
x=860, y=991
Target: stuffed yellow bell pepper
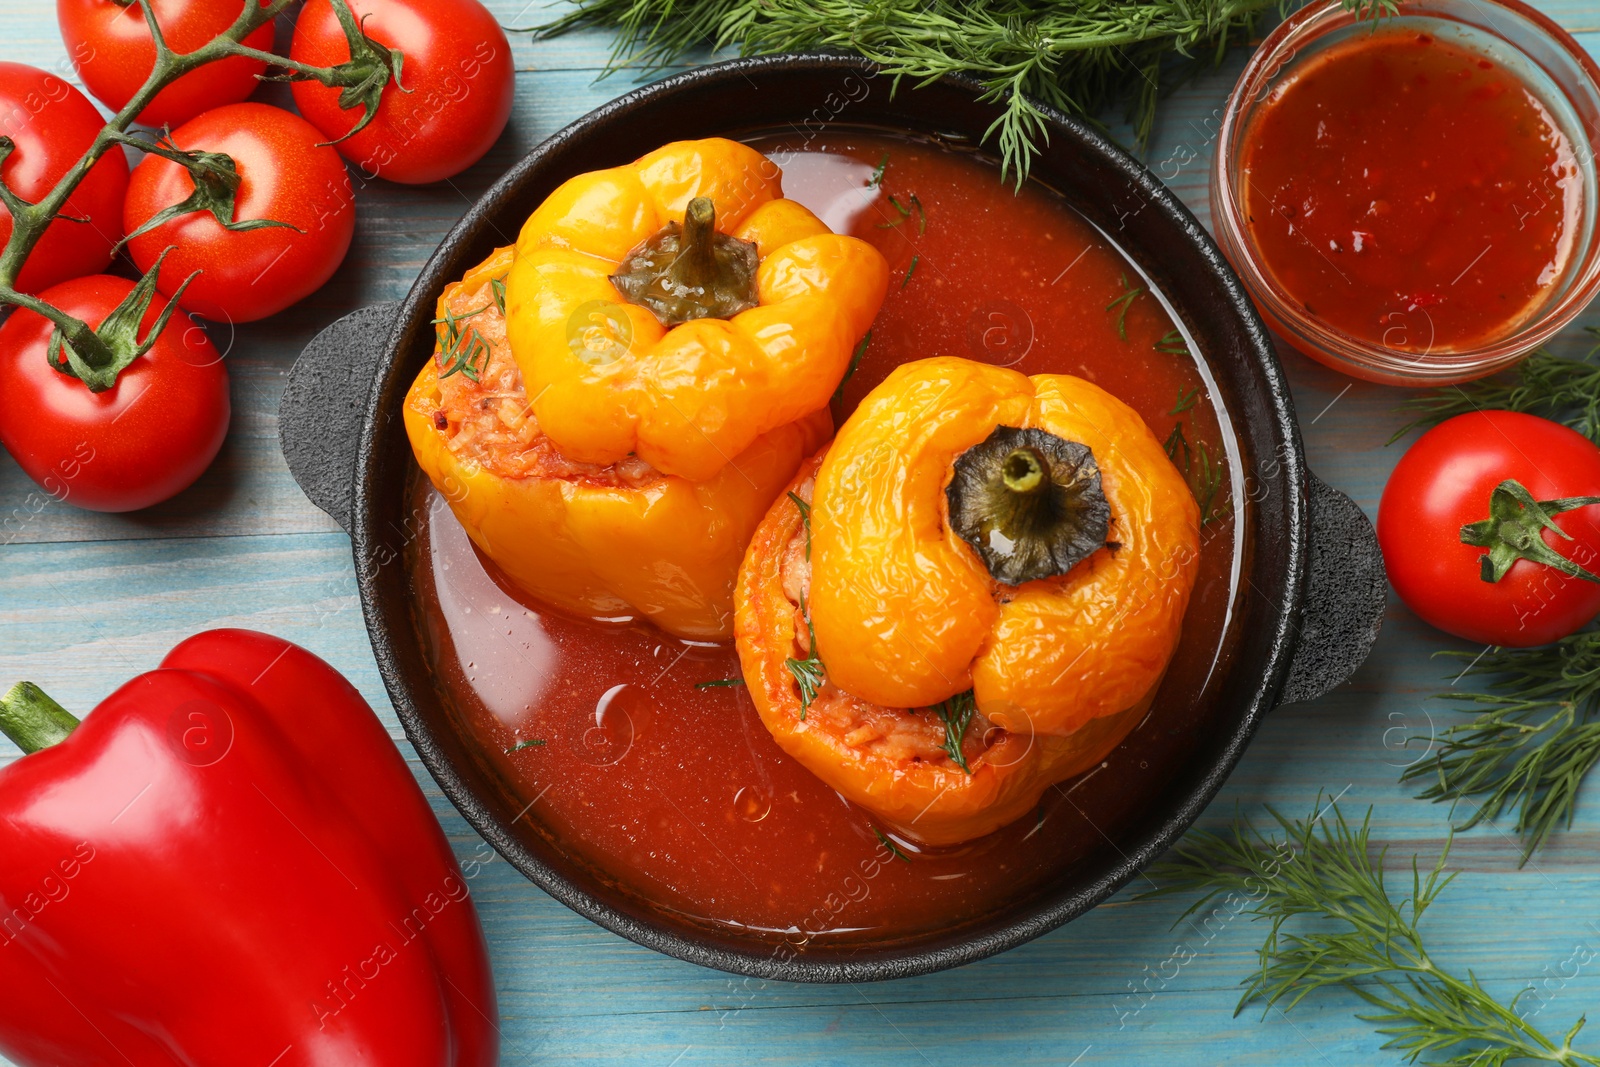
x=975, y=595
x=593, y=539
x=615, y=401
x=678, y=308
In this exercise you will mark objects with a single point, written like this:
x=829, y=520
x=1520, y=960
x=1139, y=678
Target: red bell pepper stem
x=32, y=720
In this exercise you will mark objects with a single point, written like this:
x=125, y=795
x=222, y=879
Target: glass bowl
x=1523, y=41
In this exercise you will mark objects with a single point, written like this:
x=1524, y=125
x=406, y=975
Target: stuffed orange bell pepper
x=593, y=539
x=977, y=594
x=679, y=308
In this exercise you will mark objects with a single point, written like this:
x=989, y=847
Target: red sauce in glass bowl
x=1410, y=192
x=632, y=752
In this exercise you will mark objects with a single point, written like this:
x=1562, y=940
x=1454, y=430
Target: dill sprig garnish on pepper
x=1078, y=56
x=1534, y=740
x=809, y=673
x=956, y=714
x=461, y=350
x=1360, y=938
x=1562, y=390
x=804, y=508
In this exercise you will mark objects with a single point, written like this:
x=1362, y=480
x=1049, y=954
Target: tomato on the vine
x=52, y=125
x=285, y=175
x=1448, y=501
x=454, y=96
x=146, y=438
x=111, y=47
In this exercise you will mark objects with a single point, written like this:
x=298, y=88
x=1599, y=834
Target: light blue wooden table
x=88, y=600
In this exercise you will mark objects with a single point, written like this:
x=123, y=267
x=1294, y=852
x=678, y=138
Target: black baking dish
x=1306, y=616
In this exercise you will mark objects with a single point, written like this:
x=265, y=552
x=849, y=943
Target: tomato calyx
x=32, y=720
x=8, y=146
x=115, y=342
x=362, y=78
x=1515, y=530
x=216, y=188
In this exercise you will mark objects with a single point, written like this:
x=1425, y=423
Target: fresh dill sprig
x=877, y=172
x=1194, y=462
x=901, y=214
x=1535, y=738
x=1172, y=342
x=452, y=321
x=463, y=354
x=1360, y=938
x=910, y=270
x=1177, y=447
x=1122, y=303
x=855, y=363
x=462, y=349
x=957, y=715
x=498, y=285
x=520, y=745
x=1073, y=56
x=885, y=841
x=1563, y=390
x=809, y=672
x=804, y=509
x=719, y=683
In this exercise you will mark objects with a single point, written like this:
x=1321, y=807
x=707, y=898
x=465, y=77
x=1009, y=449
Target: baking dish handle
x=1345, y=597
x=324, y=404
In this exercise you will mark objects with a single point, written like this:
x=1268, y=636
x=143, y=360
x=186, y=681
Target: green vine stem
x=30, y=220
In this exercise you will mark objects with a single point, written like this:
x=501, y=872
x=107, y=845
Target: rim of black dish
x=378, y=499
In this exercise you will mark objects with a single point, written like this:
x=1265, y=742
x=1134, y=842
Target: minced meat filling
x=490, y=421
x=903, y=735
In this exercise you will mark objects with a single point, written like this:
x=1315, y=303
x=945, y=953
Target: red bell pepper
x=228, y=863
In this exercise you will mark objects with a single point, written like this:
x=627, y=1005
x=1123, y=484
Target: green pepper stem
x=697, y=262
x=1024, y=472
x=691, y=271
x=32, y=720
x=1029, y=503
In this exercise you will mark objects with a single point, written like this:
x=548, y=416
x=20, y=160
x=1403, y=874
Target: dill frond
x=1077, y=56
x=1320, y=887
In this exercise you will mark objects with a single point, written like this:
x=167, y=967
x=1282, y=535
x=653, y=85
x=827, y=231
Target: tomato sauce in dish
x=642, y=754
x=1410, y=191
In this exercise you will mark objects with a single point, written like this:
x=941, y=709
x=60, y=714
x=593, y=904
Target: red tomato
x=457, y=68
x=110, y=45
x=53, y=125
x=146, y=438
x=285, y=174
x=1443, y=483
